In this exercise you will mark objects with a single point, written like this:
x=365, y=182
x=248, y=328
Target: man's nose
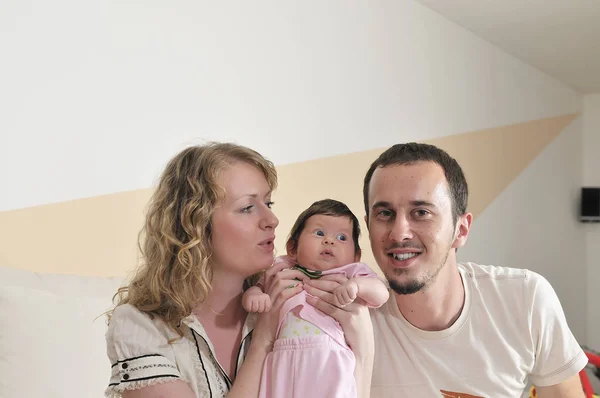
x=401, y=229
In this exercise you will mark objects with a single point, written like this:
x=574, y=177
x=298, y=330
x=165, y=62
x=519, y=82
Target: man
x=454, y=329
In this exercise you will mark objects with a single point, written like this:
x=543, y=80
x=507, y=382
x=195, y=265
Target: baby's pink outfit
x=315, y=362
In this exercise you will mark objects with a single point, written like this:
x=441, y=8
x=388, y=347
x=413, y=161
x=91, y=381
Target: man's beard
x=409, y=287
x=416, y=285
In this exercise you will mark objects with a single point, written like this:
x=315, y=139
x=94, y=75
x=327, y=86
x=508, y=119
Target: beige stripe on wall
x=98, y=236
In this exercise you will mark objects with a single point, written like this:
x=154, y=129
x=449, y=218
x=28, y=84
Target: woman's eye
x=319, y=233
x=342, y=237
x=247, y=209
x=270, y=204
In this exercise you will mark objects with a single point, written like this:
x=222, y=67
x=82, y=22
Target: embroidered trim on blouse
x=142, y=371
x=117, y=391
x=199, y=366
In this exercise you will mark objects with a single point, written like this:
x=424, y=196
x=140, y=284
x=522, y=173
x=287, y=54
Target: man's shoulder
x=503, y=288
x=496, y=274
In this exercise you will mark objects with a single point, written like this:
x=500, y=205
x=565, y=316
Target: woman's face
x=243, y=225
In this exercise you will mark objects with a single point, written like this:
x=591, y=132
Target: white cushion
x=52, y=334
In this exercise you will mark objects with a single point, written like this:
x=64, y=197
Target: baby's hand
x=257, y=302
x=345, y=293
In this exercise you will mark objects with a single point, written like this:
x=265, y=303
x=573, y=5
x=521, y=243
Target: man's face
x=410, y=224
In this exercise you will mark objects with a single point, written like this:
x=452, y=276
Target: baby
x=310, y=357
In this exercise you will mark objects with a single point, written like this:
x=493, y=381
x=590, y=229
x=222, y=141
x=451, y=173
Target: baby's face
x=325, y=243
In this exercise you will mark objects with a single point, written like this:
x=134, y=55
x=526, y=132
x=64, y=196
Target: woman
x=179, y=328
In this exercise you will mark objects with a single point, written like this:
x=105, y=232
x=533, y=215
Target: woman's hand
x=280, y=284
x=355, y=321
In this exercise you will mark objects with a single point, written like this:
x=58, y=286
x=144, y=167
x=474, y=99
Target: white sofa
x=52, y=334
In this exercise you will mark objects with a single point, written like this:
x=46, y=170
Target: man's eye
x=384, y=213
x=421, y=213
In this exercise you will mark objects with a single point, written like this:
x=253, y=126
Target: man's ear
x=367, y=221
x=462, y=230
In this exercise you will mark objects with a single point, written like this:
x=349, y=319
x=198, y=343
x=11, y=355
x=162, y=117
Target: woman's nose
x=269, y=220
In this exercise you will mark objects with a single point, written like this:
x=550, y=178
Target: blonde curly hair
x=176, y=272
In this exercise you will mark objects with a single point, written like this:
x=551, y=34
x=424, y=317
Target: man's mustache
x=405, y=245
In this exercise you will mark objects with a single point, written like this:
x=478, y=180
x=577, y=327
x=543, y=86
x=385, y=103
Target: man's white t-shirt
x=512, y=329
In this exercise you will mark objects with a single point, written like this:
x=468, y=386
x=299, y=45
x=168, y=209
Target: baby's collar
x=307, y=272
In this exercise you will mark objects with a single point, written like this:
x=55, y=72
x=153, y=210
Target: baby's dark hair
x=326, y=207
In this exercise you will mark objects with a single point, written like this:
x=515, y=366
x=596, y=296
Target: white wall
x=591, y=177
x=95, y=96
x=533, y=224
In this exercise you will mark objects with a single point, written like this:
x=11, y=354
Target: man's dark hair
x=413, y=152
x=326, y=207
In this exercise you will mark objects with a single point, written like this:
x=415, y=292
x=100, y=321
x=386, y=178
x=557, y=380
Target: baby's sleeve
x=139, y=353
x=358, y=270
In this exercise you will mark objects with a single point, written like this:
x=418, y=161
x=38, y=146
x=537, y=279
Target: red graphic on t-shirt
x=451, y=394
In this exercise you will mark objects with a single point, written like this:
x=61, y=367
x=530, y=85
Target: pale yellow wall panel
x=493, y=158
x=98, y=236
x=95, y=236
